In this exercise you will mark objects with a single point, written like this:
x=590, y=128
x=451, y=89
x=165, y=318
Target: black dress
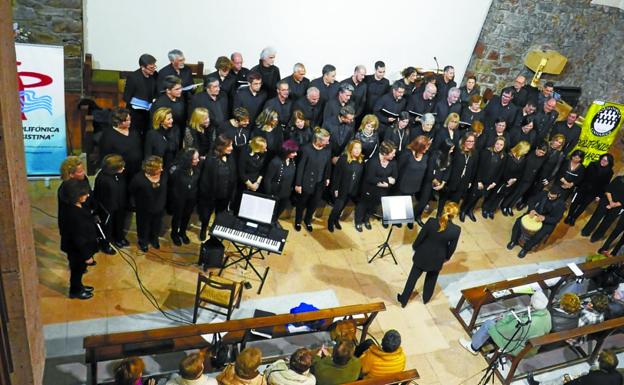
x=463, y=168
x=278, y=182
x=217, y=182
x=370, y=196
x=490, y=171
x=345, y=185
x=150, y=200
x=128, y=146
x=112, y=193
x=183, y=192
x=431, y=249
x=412, y=173
x=594, y=184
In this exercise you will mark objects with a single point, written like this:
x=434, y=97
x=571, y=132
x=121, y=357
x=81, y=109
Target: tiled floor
x=312, y=262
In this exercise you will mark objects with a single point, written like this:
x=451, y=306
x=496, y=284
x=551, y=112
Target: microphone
x=437, y=65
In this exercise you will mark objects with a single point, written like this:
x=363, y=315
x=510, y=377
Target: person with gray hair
x=297, y=82
x=326, y=84
x=389, y=106
x=176, y=67
x=269, y=71
x=341, y=129
x=359, y=90
x=335, y=103
x=422, y=102
x=451, y=104
x=310, y=106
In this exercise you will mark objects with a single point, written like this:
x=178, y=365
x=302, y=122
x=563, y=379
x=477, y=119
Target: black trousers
x=148, y=226
x=339, y=205
x=496, y=199
x=473, y=196
x=182, y=216
x=425, y=196
x=114, y=229
x=453, y=196
x=307, y=202
x=535, y=239
x=579, y=204
x=208, y=206
x=617, y=231
x=367, y=205
x=603, y=216
x=518, y=193
x=77, y=268
x=280, y=205
x=430, y=281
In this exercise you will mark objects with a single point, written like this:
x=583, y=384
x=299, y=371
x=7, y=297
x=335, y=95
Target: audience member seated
x=594, y=312
x=500, y=331
x=606, y=374
x=340, y=368
x=616, y=303
x=566, y=315
x=389, y=358
x=192, y=371
x=129, y=372
x=244, y=371
x=295, y=372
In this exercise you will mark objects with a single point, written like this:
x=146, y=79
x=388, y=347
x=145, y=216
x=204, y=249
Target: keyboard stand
x=246, y=253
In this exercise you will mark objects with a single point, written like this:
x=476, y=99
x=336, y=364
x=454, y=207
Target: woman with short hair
x=183, y=191
x=196, y=134
x=111, y=192
x=279, y=177
x=163, y=140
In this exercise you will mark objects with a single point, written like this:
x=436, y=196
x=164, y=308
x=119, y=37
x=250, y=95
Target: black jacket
x=432, y=247
x=250, y=166
x=279, y=178
x=183, y=186
x=490, y=168
x=149, y=198
x=346, y=178
x=163, y=143
x=552, y=210
x=217, y=179
x=141, y=87
x=129, y=147
x=374, y=173
x=252, y=103
x=390, y=104
x=111, y=190
x=79, y=235
x=270, y=77
x=463, y=169
x=313, y=167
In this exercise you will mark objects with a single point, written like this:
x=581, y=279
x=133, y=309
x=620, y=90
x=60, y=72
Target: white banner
x=42, y=97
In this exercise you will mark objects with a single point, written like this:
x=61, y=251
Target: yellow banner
x=601, y=126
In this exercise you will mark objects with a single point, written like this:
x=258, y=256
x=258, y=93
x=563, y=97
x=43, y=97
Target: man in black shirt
x=422, y=102
x=251, y=97
x=546, y=208
x=359, y=90
x=281, y=104
x=527, y=110
x=500, y=107
x=141, y=86
x=227, y=81
x=177, y=68
x=569, y=129
x=326, y=84
x=389, y=106
x=238, y=71
x=214, y=101
x=336, y=103
x=547, y=92
x=297, y=82
x=446, y=82
x=340, y=130
x=172, y=98
x=310, y=106
x=270, y=72
x=545, y=118
x=520, y=93
x=445, y=106
x=312, y=177
x=376, y=86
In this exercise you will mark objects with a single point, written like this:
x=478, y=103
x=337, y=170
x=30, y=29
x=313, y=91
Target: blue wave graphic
x=30, y=102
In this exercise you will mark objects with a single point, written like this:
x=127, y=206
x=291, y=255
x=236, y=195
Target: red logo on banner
x=42, y=80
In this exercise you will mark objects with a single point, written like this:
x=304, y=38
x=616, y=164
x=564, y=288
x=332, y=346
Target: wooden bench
x=404, y=377
x=479, y=296
x=115, y=346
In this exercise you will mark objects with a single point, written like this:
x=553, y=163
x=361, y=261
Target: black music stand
x=396, y=210
x=245, y=253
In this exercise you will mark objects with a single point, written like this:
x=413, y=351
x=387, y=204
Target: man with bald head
x=359, y=90
x=297, y=82
x=238, y=71
x=423, y=102
x=520, y=93
x=545, y=118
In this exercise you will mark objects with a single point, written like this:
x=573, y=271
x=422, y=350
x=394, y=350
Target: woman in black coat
x=449, y=130
x=237, y=129
x=399, y=132
x=279, y=177
x=512, y=173
x=217, y=182
x=597, y=177
x=463, y=169
x=120, y=139
x=345, y=181
x=368, y=135
x=79, y=236
x=299, y=129
x=163, y=140
x=413, y=164
x=149, y=191
x=532, y=168
x=251, y=163
x=112, y=194
x=198, y=133
x=571, y=174
x=267, y=126
x=435, y=244
x=491, y=163
x=438, y=171
x=380, y=175
x=182, y=196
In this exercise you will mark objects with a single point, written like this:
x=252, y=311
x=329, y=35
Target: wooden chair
x=219, y=292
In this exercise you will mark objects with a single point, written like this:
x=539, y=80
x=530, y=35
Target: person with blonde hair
x=197, y=134
x=514, y=168
x=368, y=135
x=245, y=370
x=149, y=190
x=268, y=127
x=413, y=164
x=129, y=371
x=163, y=140
x=191, y=371
x=435, y=245
x=345, y=182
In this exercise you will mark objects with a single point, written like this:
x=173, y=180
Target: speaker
x=211, y=253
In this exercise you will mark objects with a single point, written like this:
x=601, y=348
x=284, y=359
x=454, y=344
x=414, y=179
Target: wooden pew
x=477, y=297
x=598, y=332
x=404, y=377
x=115, y=346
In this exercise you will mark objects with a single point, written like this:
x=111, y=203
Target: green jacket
x=504, y=329
x=328, y=373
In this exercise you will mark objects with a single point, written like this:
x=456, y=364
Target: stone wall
x=589, y=36
x=55, y=22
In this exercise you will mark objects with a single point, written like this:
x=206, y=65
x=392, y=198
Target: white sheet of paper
x=575, y=269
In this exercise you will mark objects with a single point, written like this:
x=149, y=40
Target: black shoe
x=491, y=214
x=125, y=242
x=585, y=233
x=202, y=233
x=118, y=244
x=385, y=225
x=400, y=225
x=511, y=245
x=155, y=244
x=83, y=294
x=410, y=226
x=471, y=215
x=185, y=239
x=504, y=211
x=308, y=227
x=531, y=380
x=358, y=227
x=175, y=238
x=108, y=249
x=338, y=225
x=510, y=212
x=399, y=299
x=368, y=225
x=143, y=247
x=462, y=216
x=297, y=226
x=87, y=288
x=420, y=222
x=594, y=239
x=330, y=226
x=522, y=253
x=484, y=214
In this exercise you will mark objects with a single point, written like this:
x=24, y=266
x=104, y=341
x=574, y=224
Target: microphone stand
x=496, y=358
x=437, y=65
